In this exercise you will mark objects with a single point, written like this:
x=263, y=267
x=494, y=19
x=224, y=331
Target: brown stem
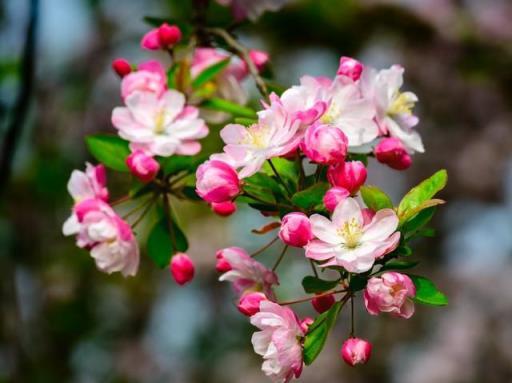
x=262, y=249
x=281, y=256
x=306, y=299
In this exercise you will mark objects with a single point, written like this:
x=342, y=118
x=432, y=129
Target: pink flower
x=89, y=184
x=151, y=40
x=350, y=68
x=247, y=274
x=161, y=126
x=217, y=181
x=349, y=175
x=346, y=241
x=110, y=239
x=334, y=196
x=259, y=58
x=356, y=351
x=394, y=108
x=390, y=293
x=142, y=166
x=392, y=152
x=182, y=268
x=249, y=303
x=279, y=342
x=122, y=67
x=295, y=229
x=325, y=144
x=168, y=35
x=368, y=215
x=150, y=77
x=224, y=209
x=323, y=303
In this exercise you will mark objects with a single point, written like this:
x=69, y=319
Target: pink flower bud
x=168, y=35
x=356, y=351
x=217, y=181
x=334, y=196
x=122, y=67
x=151, y=40
x=259, y=58
x=305, y=323
x=224, y=209
x=325, y=144
x=222, y=265
x=182, y=268
x=368, y=215
x=350, y=67
x=142, y=166
x=349, y=175
x=295, y=229
x=392, y=292
x=249, y=303
x=392, y=152
x=323, y=303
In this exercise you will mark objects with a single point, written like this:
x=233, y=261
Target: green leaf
x=288, y=171
x=190, y=193
x=209, y=73
x=422, y=193
x=232, y=108
x=317, y=333
x=310, y=197
x=110, y=150
x=420, y=220
x=245, y=121
x=263, y=181
x=138, y=189
x=427, y=293
x=399, y=264
x=410, y=213
x=176, y=164
x=313, y=285
x=160, y=246
x=171, y=77
x=357, y=282
x=375, y=198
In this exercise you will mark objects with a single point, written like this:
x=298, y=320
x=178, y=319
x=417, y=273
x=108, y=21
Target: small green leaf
x=245, y=121
x=311, y=197
x=313, y=285
x=357, y=282
x=399, y=264
x=375, y=198
x=410, y=213
x=232, y=108
x=209, y=73
x=423, y=192
x=317, y=333
x=263, y=181
x=190, y=193
x=420, y=220
x=427, y=293
x=171, y=76
x=160, y=246
x=176, y=164
x=110, y=150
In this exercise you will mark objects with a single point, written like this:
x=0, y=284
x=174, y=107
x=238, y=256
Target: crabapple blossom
x=217, y=181
x=89, y=184
x=346, y=241
x=279, y=342
x=334, y=196
x=222, y=266
x=305, y=323
x=142, y=166
x=149, y=77
x=349, y=175
x=224, y=209
x=394, y=108
x=121, y=66
x=295, y=229
x=325, y=144
x=247, y=274
x=252, y=9
x=392, y=152
x=110, y=239
x=168, y=35
x=162, y=126
x=350, y=68
x=182, y=268
x=392, y=292
x=323, y=303
x=151, y=40
x=249, y=304
x=356, y=351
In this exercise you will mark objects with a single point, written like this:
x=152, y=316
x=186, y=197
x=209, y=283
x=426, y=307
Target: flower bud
x=325, y=144
x=168, y=35
x=334, y=196
x=224, y=209
x=295, y=229
x=151, y=40
x=349, y=175
x=142, y=166
x=222, y=266
x=217, y=181
x=356, y=351
x=122, y=67
x=249, y=303
x=323, y=303
x=305, y=323
x=259, y=58
x=350, y=67
x=392, y=152
x=182, y=268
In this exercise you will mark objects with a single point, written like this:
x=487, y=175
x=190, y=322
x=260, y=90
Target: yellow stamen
x=402, y=104
x=351, y=231
x=159, y=122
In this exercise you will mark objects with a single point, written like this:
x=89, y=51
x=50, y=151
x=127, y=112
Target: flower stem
x=143, y=214
x=167, y=213
x=120, y=200
x=307, y=299
x=262, y=249
x=313, y=267
x=137, y=208
x=281, y=256
x=352, y=322
x=278, y=176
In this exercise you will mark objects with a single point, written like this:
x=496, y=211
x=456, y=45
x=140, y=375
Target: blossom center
x=402, y=104
x=331, y=115
x=351, y=232
x=256, y=137
x=160, y=122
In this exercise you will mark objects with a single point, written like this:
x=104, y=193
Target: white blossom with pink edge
x=348, y=242
x=160, y=126
x=149, y=77
x=89, y=184
x=394, y=108
x=279, y=341
x=247, y=274
x=275, y=134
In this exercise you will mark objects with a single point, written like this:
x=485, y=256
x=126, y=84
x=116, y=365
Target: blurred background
x=63, y=321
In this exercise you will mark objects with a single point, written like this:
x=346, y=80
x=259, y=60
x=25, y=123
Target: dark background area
x=63, y=321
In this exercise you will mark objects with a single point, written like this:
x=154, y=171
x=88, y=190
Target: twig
x=262, y=249
x=306, y=299
x=281, y=256
x=168, y=218
x=313, y=267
